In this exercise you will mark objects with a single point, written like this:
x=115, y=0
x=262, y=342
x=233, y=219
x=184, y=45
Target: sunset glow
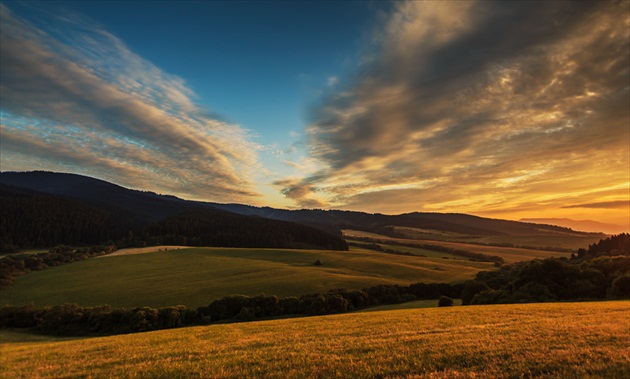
x=499, y=109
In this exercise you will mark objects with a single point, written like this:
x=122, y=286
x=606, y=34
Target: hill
x=196, y=276
x=581, y=225
x=142, y=209
x=552, y=340
x=32, y=219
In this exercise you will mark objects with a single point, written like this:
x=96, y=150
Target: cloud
x=462, y=106
x=75, y=96
x=298, y=190
x=603, y=204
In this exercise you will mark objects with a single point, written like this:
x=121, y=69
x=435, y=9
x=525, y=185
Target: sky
x=500, y=109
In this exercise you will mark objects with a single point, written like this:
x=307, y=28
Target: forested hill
x=139, y=209
x=31, y=219
x=146, y=206
x=210, y=227
x=383, y=224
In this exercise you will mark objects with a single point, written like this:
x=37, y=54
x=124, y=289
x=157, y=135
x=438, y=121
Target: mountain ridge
x=579, y=225
x=42, y=209
x=150, y=207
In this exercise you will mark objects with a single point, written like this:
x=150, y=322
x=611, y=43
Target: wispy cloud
x=468, y=106
x=603, y=204
x=75, y=96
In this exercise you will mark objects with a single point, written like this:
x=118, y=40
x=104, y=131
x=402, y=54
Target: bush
x=620, y=287
x=445, y=301
x=471, y=288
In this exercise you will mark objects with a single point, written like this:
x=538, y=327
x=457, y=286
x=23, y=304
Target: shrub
x=445, y=301
x=620, y=287
x=471, y=288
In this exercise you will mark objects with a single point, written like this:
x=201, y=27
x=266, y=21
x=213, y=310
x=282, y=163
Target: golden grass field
x=553, y=340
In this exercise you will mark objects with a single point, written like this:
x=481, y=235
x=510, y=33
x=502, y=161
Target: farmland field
x=196, y=276
x=553, y=340
x=509, y=254
x=564, y=240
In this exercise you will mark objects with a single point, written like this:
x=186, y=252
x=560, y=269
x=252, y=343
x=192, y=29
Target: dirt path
x=143, y=250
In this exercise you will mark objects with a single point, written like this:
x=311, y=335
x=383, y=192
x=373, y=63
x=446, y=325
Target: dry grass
x=142, y=250
x=569, y=340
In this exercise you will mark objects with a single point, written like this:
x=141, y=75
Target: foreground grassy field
x=196, y=276
x=560, y=340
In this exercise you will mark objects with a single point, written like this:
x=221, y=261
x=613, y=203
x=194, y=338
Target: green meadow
x=196, y=276
x=550, y=340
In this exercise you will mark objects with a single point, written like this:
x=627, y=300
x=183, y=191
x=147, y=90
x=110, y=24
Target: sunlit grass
x=570, y=340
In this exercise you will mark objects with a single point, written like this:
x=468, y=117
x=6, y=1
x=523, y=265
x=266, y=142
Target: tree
x=445, y=301
x=620, y=287
x=471, y=288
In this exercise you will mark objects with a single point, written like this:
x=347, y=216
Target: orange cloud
x=480, y=108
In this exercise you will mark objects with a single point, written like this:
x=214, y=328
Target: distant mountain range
x=581, y=225
x=129, y=210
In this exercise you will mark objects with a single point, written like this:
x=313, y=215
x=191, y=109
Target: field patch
x=196, y=276
x=509, y=254
x=143, y=250
x=559, y=240
x=552, y=340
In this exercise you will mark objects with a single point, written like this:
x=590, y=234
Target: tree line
x=30, y=219
x=611, y=246
x=72, y=319
x=209, y=227
x=14, y=265
x=602, y=271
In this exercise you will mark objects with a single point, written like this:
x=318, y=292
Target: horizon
x=586, y=226
x=499, y=110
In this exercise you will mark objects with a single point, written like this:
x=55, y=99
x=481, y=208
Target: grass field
x=554, y=340
x=566, y=240
x=415, y=250
x=196, y=276
x=509, y=254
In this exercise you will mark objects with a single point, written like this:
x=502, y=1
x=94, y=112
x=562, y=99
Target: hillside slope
x=32, y=219
x=196, y=276
x=551, y=340
x=151, y=207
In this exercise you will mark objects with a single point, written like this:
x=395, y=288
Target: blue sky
x=502, y=109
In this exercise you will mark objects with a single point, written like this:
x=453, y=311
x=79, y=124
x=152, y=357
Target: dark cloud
x=478, y=104
x=603, y=204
